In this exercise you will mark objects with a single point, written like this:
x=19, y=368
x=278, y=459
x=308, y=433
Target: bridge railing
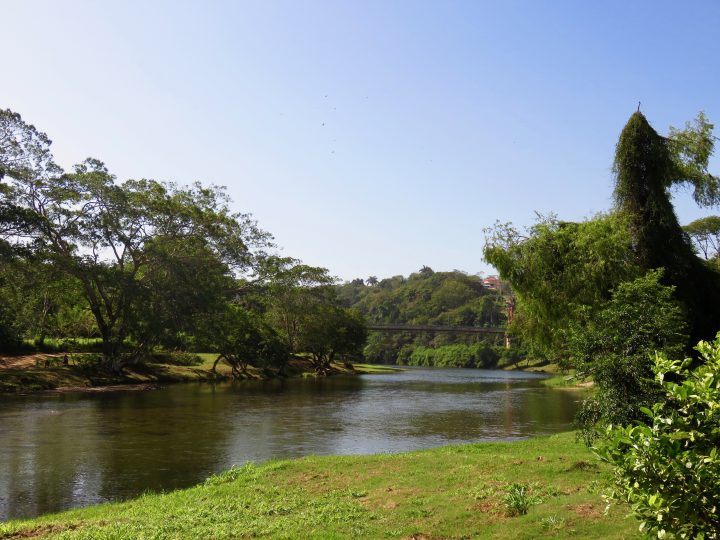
x=435, y=328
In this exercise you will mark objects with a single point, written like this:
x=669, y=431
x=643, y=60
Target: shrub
x=518, y=500
x=669, y=470
x=615, y=347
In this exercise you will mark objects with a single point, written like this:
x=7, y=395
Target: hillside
x=425, y=297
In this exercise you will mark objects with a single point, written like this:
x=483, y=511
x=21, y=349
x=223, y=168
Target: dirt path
x=26, y=361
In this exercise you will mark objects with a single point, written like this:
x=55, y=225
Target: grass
x=560, y=378
x=447, y=492
x=375, y=368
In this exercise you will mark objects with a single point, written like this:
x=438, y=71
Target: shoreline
x=403, y=495
x=22, y=375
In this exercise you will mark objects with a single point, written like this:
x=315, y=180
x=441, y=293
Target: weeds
x=518, y=500
x=552, y=523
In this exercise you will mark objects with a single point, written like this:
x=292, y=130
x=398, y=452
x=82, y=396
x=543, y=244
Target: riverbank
x=46, y=372
x=559, y=378
x=447, y=492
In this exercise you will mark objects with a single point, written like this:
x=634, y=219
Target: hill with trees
x=427, y=297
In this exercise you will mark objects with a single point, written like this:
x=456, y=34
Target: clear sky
x=368, y=137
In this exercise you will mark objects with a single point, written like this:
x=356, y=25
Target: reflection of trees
x=77, y=450
x=43, y=460
x=159, y=440
x=292, y=418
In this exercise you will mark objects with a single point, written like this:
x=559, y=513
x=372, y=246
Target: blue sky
x=368, y=137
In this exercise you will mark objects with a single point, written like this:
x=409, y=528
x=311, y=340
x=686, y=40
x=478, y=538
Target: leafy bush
x=477, y=355
x=669, y=471
x=615, y=345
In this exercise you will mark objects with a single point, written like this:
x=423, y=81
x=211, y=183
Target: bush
x=615, y=348
x=477, y=355
x=669, y=470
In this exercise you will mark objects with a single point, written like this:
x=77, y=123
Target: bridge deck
x=397, y=328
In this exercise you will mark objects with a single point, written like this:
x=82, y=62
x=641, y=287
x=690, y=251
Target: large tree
x=558, y=267
x=705, y=235
x=117, y=238
x=647, y=166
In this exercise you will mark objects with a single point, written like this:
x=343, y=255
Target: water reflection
x=65, y=451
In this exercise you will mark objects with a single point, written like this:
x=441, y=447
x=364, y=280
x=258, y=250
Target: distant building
x=492, y=283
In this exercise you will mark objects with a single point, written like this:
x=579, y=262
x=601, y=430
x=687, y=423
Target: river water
x=70, y=450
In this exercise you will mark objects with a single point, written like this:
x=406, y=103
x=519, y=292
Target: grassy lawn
x=375, y=368
x=448, y=492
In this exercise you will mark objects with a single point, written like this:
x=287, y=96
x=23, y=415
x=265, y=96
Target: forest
x=431, y=298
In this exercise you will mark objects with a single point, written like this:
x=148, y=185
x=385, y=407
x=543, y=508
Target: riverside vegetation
x=143, y=267
x=147, y=266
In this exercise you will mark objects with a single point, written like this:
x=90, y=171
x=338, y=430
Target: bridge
x=427, y=328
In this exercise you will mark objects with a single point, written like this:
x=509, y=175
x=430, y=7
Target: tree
x=302, y=305
x=646, y=167
x=669, y=470
x=615, y=345
x=328, y=331
x=291, y=292
x=242, y=338
x=690, y=150
x=106, y=234
x=705, y=235
x=557, y=268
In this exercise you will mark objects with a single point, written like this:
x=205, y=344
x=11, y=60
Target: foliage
x=646, y=167
x=476, y=355
x=328, y=331
x=614, y=346
x=705, y=235
x=423, y=298
x=557, y=268
x=518, y=500
x=241, y=338
x=291, y=291
x=690, y=151
x=669, y=470
x=302, y=306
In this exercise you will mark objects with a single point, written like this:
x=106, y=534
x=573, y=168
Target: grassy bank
x=559, y=378
x=33, y=376
x=448, y=492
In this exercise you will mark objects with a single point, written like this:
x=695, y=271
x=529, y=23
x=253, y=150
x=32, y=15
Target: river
x=69, y=450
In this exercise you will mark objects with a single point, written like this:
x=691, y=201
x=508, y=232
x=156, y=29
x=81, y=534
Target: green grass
x=448, y=492
x=375, y=368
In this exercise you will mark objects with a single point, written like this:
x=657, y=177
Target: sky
x=369, y=137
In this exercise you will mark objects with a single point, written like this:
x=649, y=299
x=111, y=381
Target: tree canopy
x=145, y=264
